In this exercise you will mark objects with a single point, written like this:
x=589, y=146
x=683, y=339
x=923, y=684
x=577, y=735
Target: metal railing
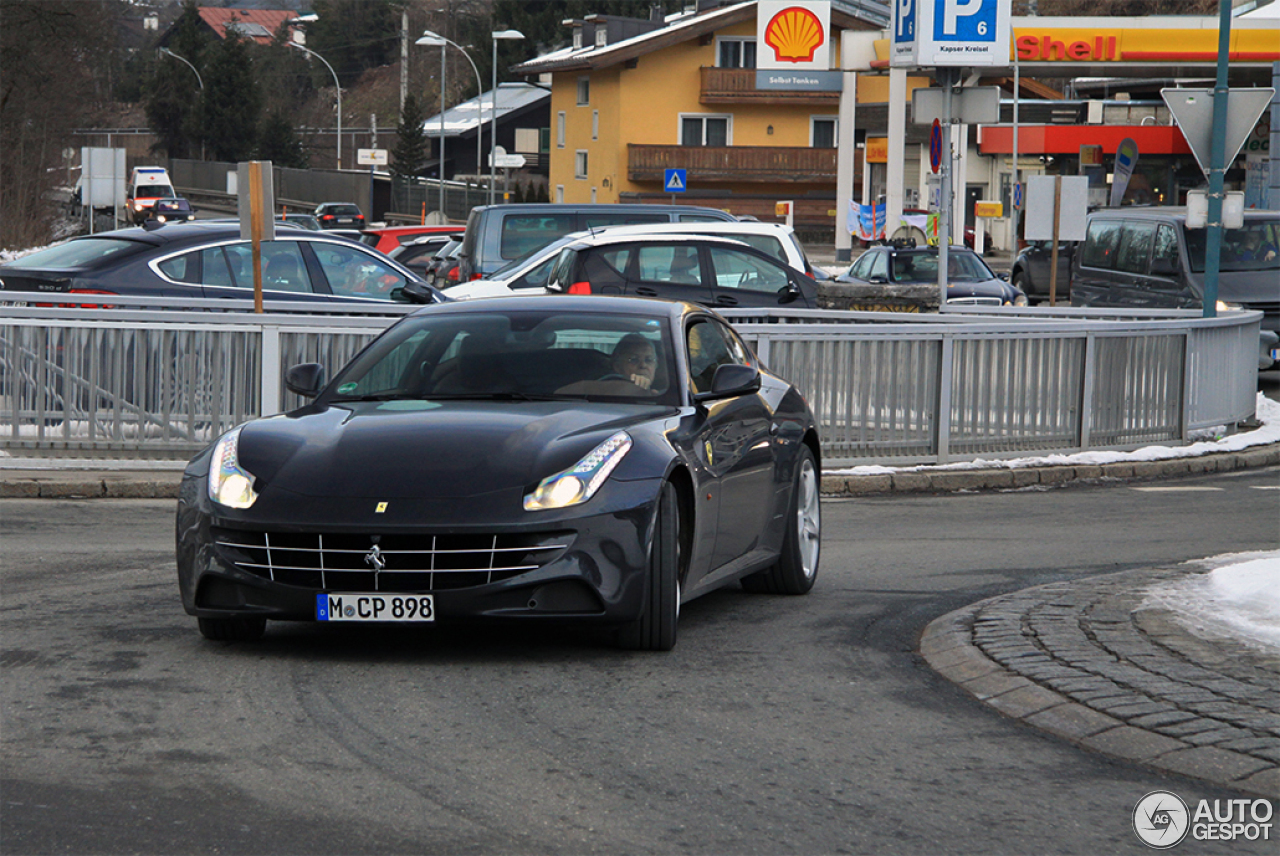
x=159, y=378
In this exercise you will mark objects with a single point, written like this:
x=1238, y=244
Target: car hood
x=986, y=288
x=445, y=449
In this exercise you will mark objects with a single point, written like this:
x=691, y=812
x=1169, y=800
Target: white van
x=146, y=185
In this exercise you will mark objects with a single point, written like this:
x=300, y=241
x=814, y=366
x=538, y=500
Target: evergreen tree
x=409, y=157
x=278, y=142
x=232, y=100
x=355, y=35
x=174, y=98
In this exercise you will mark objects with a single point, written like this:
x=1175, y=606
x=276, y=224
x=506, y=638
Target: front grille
x=976, y=301
x=411, y=563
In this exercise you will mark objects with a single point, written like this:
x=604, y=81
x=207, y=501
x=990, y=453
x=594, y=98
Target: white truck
x=146, y=185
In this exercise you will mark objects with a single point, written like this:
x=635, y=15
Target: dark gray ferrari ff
x=589, y=459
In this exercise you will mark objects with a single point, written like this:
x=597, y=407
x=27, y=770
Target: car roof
x=609, y=236
x=554, y=207
x=1171, y=212
x=566, y=304
x=728, y=227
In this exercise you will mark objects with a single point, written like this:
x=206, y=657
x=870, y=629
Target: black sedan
x=210, y=259
x=582, y=459
x=969, y=280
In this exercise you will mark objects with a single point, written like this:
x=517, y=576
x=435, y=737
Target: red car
x=386, y=239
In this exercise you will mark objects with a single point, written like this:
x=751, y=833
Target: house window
x=823, y=132
x=560, y=130
x=595, y=124
x=584, y=91
x=602, y=36
x=705, y=130
x=560, y=194
x=735, y=52
x=580, y=164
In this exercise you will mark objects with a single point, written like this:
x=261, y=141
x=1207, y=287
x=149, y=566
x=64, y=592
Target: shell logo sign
x=794, y=34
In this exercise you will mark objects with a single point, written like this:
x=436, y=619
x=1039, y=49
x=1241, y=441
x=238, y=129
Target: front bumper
x=585, y=564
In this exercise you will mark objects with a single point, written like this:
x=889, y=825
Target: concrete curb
x=938, y=480
x=1089, y=661
x=87, y=483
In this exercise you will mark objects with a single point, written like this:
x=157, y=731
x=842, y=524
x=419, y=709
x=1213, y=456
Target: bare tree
x=54, y=54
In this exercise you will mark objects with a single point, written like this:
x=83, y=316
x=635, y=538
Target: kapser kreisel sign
x=793, y=46
x=932, y=33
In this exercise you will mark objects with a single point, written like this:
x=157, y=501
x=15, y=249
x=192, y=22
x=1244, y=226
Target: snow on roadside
x=1238, y=598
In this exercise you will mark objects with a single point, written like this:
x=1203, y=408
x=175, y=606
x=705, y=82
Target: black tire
x=797, y=566
x=655, y=629
x=233, y=629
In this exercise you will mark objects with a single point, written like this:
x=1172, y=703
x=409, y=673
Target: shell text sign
x=794, y=34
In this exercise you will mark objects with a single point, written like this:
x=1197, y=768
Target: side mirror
x=789, y=293
x=306, y=380
x=731, y=380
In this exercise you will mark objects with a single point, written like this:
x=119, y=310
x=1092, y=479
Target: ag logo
x=1161, y=820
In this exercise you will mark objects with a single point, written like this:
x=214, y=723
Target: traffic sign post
x=1193, y=110
x=674, y=181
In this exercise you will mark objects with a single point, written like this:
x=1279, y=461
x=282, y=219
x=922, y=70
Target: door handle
x=726, y=300
x=646, y=292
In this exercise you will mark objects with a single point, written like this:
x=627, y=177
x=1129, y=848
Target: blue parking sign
x=674, y=181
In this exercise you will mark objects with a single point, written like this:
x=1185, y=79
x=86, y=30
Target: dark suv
x=1147, y=257
x=339, y=215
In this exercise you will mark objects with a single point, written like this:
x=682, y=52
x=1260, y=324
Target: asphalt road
x=778, y=725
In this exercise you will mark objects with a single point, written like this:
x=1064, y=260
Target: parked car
x=969, y=280
x=515, y=460
x=1031, y=269
x=440, y=259
x=499, y=234
x=1147, y=257
x=209, y=259
x=530, y=274
x=174, y=209
x=388, y=238
x=714, y=271
x=304, y=221
x=339, y=215
x=417, y=254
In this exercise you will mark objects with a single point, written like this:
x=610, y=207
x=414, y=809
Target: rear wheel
x=797, y=566
x=233, y=629
x=655, y=629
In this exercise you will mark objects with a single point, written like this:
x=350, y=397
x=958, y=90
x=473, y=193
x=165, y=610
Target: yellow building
x=632, y=98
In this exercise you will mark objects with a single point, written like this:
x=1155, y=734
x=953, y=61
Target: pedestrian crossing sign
x=674, y=181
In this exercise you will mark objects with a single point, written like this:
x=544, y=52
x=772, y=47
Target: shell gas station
x=1113, y=69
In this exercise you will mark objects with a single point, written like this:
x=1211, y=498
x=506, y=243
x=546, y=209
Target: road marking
x=1177, y=489
x=1265, y=486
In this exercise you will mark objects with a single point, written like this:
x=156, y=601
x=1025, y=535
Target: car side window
x=1164, y=258
x=710, y=345
x=1134, y=251
x=861, y=266
x=217, y=269
x=351, y=272
x=668, y=263
x=736, y=269
x=183, y=268
x=879, y=267
x=1100, y=244
x=283, y=268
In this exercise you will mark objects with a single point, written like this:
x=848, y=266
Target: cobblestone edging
x=1087, y=661
x=926, y=479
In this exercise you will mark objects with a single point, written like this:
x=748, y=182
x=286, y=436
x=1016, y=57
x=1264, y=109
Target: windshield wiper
x=498, y=396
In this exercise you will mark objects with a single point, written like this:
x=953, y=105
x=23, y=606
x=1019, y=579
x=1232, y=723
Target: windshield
x=516, y=355
x=153, y=191
x=1254, y=247
x=550, y=251
x=923, y=267
x=77, y=253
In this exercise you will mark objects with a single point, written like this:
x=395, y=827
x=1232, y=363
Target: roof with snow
x=463, y=119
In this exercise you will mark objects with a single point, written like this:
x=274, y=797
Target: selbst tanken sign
x=793, y=46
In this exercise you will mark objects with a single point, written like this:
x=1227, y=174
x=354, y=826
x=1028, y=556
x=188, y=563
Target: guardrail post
x=1084, y=424
x=942, y=420
x=269, y=389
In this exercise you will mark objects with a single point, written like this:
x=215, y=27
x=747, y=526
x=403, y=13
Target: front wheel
x=655, y=629
x=797, y=566
x=233, y=629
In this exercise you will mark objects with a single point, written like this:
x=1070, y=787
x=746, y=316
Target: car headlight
x=229, y=483
x=1224, y=306
x=1020, y=300
x=580, y=482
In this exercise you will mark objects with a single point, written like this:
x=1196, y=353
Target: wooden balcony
x=738, y=86
x=703, y=164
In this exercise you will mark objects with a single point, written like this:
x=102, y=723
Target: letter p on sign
x=953, y=11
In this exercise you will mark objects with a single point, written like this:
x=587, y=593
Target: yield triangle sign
x=1193, y=111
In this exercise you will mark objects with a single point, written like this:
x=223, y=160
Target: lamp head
x=509, y=35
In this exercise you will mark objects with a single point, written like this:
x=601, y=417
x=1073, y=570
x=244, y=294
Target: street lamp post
x=199, y=80
x=499, y=35
x=431, y=39
x=337, y=88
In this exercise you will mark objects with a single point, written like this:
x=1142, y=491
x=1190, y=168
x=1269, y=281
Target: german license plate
x=344, y=219
x=375, y=607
